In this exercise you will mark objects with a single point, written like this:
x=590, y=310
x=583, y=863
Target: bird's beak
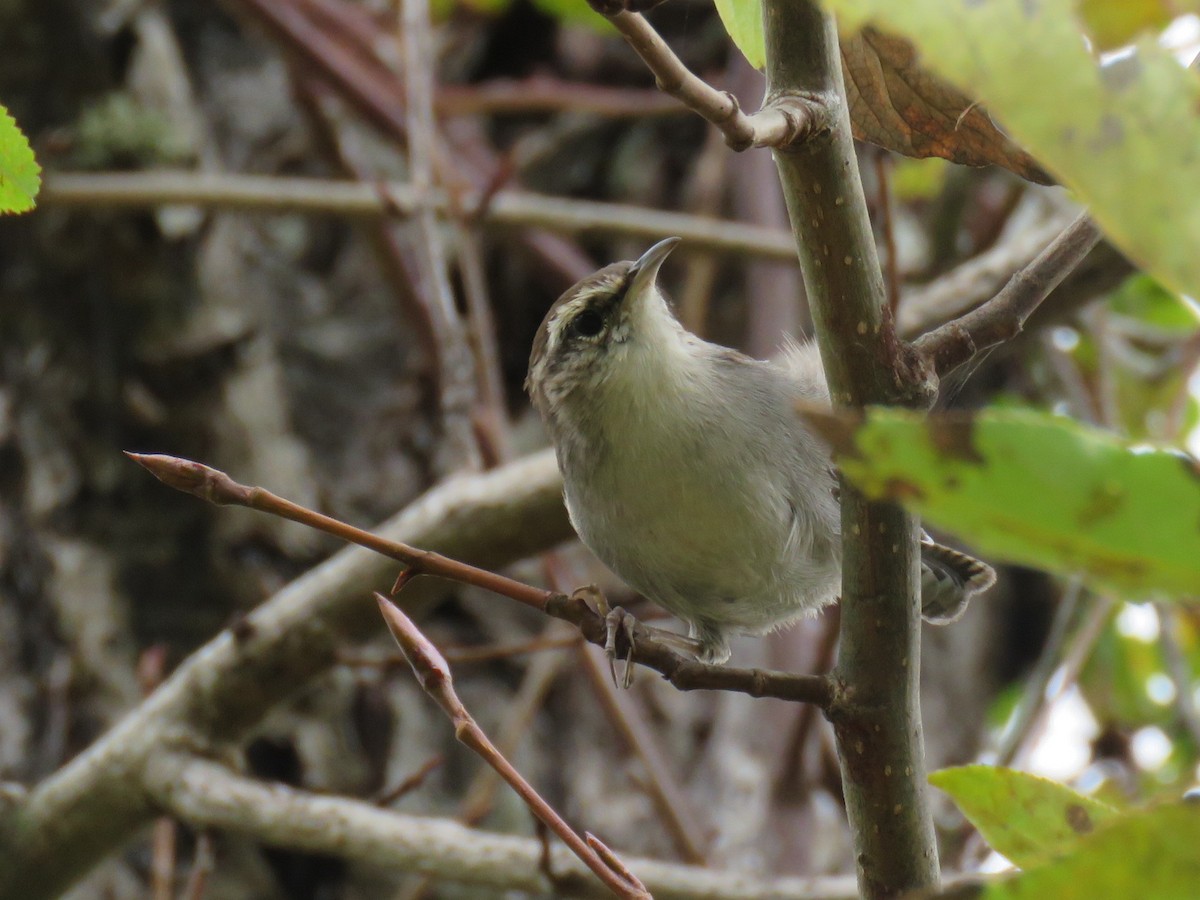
x=645, y=270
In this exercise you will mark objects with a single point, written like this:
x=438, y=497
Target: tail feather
x=949, y=579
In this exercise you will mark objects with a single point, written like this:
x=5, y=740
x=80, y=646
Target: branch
x=542, y=93
x=787, y=119
x=256, y=193
x=206, y=794
x=457, y=388
x=433, y=674
x=85, y=810
x=685, y=674
x=878, y=730
x=1003, y=317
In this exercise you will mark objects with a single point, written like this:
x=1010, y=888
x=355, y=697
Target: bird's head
x=592, y=330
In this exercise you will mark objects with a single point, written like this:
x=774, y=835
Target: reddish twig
x=500, y=96
x=204, y=860
x=468, y=655
x=411, y=783
x=151, y=667
x=685, y=674
x=162, y=859
x=433, y=674
x=342, y=46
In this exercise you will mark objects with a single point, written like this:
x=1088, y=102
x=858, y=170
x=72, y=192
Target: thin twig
x=786, y=120
x=1075, y=654
x=151, y=668
x=661, y=783
x=1033, y=697
x=469, y=655
x=94, y=803
x=460, y=655
x=1003, y=317
x=341, y=43
x=501, y=96
x=887, y=225
x=790, y=782
x=267, y=194
x=491, y=415
x=216, y=487
x=433, y=674
x=535, y=685
x=204, y=860
x=706, y=189
x=162, y=859
x=410, y=783
x=457, y=383
x=628, y=718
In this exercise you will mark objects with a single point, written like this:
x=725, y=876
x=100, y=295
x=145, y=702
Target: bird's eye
x=588, y=323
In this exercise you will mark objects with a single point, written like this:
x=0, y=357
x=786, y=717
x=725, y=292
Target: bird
x=688, y=471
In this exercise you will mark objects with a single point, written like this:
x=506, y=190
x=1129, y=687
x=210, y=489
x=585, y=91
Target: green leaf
x=1024, y=817
x=743, y=21
x=1035, y=489
x=572, y=12
x=1149, y=304
x=1112, y=23
x=20, y=175
x=918, y=179
x=1124, y=137
x=1149, y=854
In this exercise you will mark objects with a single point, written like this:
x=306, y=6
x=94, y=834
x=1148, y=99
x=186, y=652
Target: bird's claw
x=619, y=628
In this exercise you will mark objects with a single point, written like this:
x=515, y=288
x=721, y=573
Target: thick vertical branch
x=878, y=727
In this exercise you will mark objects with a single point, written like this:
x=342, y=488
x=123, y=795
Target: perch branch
x=433, y=674
x=93, y=804
x=685, y=674
x=879, y=737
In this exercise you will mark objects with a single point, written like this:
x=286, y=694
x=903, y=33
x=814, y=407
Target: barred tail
x=949, y=579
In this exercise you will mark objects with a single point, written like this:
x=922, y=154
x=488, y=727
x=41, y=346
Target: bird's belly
x=706, y=550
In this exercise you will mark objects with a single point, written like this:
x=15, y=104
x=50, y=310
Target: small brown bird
x=687, y=470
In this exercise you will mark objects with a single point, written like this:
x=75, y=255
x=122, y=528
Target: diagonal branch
x=684, y=674
x=1003, y=317
x=93, y=804
x=433, y=674
x=787, y=119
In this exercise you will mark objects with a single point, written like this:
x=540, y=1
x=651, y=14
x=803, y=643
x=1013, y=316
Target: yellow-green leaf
x=1035, y=489
x=1124, y=137
x=1024, y=817
x=1152, y=854
x=1112, y=23
x=743, y=21
x=20, y=175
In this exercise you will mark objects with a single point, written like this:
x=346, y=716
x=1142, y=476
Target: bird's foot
x=622, y=631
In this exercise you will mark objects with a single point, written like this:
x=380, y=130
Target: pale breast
x=700, y=526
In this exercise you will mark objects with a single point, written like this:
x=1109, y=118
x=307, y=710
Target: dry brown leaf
x=896, y=104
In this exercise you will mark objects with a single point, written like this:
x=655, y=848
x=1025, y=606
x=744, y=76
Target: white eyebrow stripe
x=569, y=310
